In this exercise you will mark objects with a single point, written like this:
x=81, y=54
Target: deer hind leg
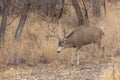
x=101, y=48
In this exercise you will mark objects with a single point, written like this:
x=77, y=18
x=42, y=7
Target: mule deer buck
x=80, y=37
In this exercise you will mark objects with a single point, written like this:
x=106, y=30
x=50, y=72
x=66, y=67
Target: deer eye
x=62, y=44
x=59, y=44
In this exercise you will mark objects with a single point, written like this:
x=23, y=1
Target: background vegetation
x=29, y=27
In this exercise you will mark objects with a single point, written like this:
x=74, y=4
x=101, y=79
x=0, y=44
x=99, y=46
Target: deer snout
x=59, y=49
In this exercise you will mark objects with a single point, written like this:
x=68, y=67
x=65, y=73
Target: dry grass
x=36, y=46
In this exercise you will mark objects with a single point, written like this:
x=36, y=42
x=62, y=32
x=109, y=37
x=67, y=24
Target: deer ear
x=65, y=39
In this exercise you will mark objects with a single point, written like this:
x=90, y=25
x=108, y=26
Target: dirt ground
x=104, y=71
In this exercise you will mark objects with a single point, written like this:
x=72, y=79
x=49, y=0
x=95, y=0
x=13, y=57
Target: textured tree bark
x=96, y=8
x=104, y=4
x=86, y=12
x=78, y=12
x=1, y=6
x=4, y=20
x=61, y=11
x=21, y=23
x=86, y=21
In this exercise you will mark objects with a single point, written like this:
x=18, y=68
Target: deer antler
x=53, y=31
x=64, y=32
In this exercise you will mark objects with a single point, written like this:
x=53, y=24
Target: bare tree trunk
x=78, y=11
x=86, y=13
x=104, y=4
x=86, y=21
x=21, y=23
x=1, y=7
x=61, y=11
x=4, y=19
x=96, y=8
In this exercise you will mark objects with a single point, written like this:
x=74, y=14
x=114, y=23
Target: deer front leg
x=78, y=59
x=78, y=56
x=75, y=57
x=74, y=60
